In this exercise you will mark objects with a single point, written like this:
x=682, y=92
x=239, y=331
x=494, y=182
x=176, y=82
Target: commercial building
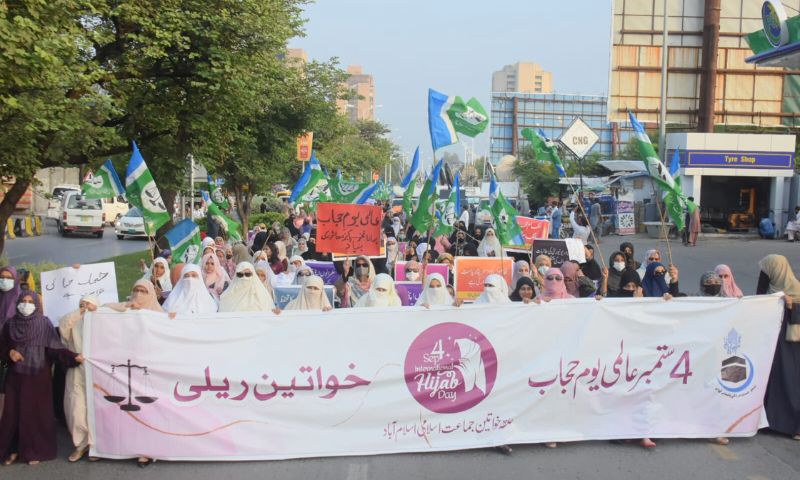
x=362, y=105
x=553, y=113
x=522, y=77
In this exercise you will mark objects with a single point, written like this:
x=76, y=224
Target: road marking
x=724, y=452
x=357, y=471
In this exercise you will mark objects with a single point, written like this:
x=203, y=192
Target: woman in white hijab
x=246, y=293
x=435, y=292
x=392, y=253
x=159, y=276
x=302, y=275
x=495, y=290
x=490, y=245
x=381, y=294
x=190, y=294
x=287, y=278
x=311, y=297
x=396, y=226
x=522, y=268
x=360, y=282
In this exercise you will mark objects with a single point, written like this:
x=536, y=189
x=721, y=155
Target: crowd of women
x=241, y=277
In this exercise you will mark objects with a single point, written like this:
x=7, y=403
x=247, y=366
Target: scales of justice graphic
x=130, y=406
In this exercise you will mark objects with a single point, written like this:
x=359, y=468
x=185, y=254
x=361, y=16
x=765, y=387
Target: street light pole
x=662, y=119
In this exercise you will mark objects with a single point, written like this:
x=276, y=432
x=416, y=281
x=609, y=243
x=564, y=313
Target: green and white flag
x=104, y=184
x=545, y=150
x=468, y=118
x=408, y=198
x=505, y=222
x=422, y=219
x=447, y=215
x=231, y=227
x=184, y=242
x=342, y=191
x=142, y=192
x=216, y=194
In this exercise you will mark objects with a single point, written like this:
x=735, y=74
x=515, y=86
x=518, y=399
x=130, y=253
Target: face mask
x=362, y=271
x=619, y=266
x=543, y=269
x=626, y=293
x=26, y=309
x=712, y=290
x=6, y=284
x=412, y=276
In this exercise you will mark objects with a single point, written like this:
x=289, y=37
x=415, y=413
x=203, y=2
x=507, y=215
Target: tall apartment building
x=362, y=107
x=522, y=77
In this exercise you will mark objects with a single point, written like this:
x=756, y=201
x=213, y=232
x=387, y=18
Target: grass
x=128, y=271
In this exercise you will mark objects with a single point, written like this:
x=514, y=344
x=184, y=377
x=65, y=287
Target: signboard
x=626, y=221
x=579, y=138
x=723, y=159
x=285, y=294
x=62, y=289
x=470, y=273
x=326, y=270
x=560, y=251
x=408, y=292
x=362, y=381
x=533, y=229
x=440, y=268
x=304, y=146
x=348, y=229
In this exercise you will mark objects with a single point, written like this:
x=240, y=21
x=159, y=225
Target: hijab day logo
x=450, y=368
x=737, y=372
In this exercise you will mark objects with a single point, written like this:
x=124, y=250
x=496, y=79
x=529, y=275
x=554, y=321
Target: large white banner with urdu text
x=369, y=381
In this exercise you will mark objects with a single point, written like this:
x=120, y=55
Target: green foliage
x=267, y=218
x=357, y=150
x=36, y=269
x=539, y=180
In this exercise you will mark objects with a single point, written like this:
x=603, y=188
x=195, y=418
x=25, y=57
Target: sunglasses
x=659, y=273
x=304, y=274
x=557, y=278
x=361, y=264
x=654, y=259
x=244, y=274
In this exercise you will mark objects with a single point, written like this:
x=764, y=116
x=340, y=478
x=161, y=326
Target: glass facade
x=553, y=113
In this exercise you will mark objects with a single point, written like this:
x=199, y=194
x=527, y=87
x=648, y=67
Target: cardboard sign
x=533, y=229
x=62, y=289
x=408, y=292
x=347, y=229
x=560, y=251
x=441, y=268
x=284, y=295
x=471, y=272
x=344, y=256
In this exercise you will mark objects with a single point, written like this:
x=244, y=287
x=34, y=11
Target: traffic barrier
x=10, y=229
x=27, y=226
x=37, y=225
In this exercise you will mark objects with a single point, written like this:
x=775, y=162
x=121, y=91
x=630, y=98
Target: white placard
x=62, y=289
x=575, y=249
x=579, y=138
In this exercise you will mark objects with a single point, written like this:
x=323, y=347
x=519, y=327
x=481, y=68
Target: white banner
x=63, y=289
x=370, y=381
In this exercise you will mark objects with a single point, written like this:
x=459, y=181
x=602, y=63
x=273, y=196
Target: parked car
x=54, y=205
x=81, y=215
x=131, y=225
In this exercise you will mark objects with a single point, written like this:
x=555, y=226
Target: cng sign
x=579, y=138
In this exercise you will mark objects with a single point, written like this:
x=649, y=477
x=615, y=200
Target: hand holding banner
x=349, y=229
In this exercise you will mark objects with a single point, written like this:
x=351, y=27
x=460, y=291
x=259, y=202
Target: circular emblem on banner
x=450, y=368
x=773, y=16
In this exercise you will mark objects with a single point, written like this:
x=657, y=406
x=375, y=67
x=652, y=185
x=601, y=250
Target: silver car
x=130, y=225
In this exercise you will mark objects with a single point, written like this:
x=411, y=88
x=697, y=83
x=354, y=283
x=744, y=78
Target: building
x=743, y=94
x=553, y=113
x=362, y=85
x=298, y=54
x=522, y=77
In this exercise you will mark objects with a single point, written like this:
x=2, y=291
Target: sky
x=454, y=46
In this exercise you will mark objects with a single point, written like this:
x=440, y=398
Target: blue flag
x=305, y=178
x=366, y=194
x=457, y=189
x=441, y=127
x=184, y=242
x=675, y=164
x=437, y=170
x=493, y=188
x=413, y=172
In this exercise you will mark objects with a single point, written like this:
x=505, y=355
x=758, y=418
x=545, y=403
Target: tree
x=539, y=180
x=358, y=150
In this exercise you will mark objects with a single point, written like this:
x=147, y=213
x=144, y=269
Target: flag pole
x=661, y=227
x=591, y=230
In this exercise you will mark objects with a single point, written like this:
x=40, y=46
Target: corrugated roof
x=623, y=165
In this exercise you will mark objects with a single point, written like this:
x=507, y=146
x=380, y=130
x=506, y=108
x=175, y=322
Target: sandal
x=11, y=459
x=33, y=462
x=504, y=449
x=77, y=454
x=551, y=445
x=144, y=461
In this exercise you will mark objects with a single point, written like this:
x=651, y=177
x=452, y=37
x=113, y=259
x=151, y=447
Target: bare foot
x=647, y=443
x=11, y=459
x=33, y=462
x=722, y=441
x=551, y=445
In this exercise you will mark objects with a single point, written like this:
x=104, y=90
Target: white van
x=54, y=205
x=115, y=208
x=81, y=215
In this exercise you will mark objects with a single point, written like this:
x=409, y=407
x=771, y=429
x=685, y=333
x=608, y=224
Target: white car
x=81, y=215
x=130, y=225
x=54, y=205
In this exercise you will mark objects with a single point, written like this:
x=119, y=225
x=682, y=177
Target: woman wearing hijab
x=246, y=293
x=426, y=253
x=31, y=343
x=591, y=268
x=159, y=276
x=630, y=285
x=627, y=249
x=392, y=252
x=71, y=329
x=381, y=294
x=783, y=389
x=490, y=245
x=495, y=290
x=302, y=247
x=619, y=266
x=525, y=291
x=312, y=296
x=710, y=285
x=412, y=271
x=143, y=297
x=190, y=295
x=302, y=275
x=260, y=256
x=655, y=285
x=215, y=277
x=435, y=292
x=264, y=274
x=225, y=256
x=396, y=226
x=521, y=269
x=279, y=261
x=447, y=259
x=694, y=226
x=359, y=283
x=9, y=293
x=240, y=253
x=729, y=287
x=554, y=286
x=571, y=273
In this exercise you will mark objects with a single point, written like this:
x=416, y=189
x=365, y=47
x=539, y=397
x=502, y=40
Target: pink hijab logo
x=450, y=368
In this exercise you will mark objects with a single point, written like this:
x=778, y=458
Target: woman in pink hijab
x=554, y=287
x=215, y=277
x=571, y=272
x=729, y=287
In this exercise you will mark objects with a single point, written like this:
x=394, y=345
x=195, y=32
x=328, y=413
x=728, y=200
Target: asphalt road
x=68, y=250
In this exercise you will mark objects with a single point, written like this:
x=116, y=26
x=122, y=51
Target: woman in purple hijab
x=9, y=292
x=30, y=343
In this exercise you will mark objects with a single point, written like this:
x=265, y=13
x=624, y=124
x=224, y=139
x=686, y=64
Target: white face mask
x=26, y=309
x=543, y=269
x=6, y=284
x=619, y=266
x=412, y=276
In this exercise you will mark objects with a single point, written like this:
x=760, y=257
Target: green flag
x=216, y=195
x=545, y=151
x=505, y=222
x=104, y=184
x=408, y=198
x=422, y=219
x=142, y=192
x=231, y=227
x=468, y=118
x=317, y=183
x=184, y=242
x=342, y=191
